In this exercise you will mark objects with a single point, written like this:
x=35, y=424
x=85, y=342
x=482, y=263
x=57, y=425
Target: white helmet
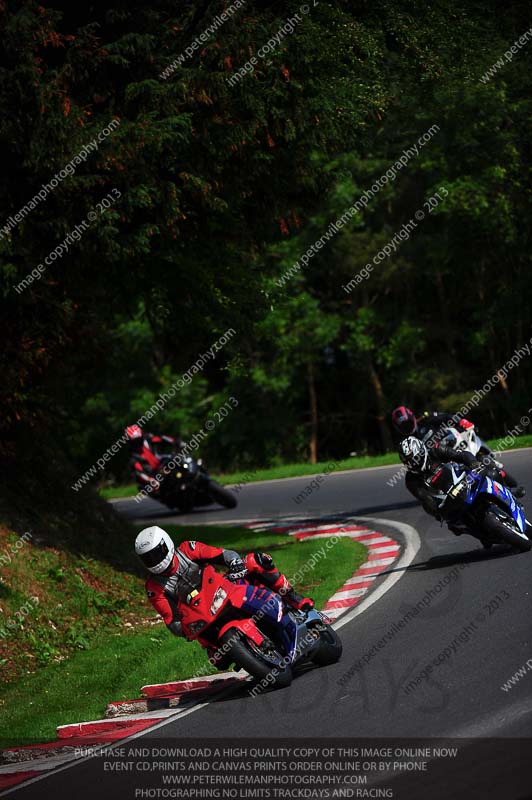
x=155, y=548
x=414, y=454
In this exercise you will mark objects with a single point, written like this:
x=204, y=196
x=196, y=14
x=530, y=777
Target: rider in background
x=405, y=423
x=146, y=449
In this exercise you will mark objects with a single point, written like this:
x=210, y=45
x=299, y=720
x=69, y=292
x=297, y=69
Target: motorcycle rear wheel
x=502, y=530
x=247, y=655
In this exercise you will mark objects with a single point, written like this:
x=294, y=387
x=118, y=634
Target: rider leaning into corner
x=405, y=424
x=423, y=464
x=174, y=570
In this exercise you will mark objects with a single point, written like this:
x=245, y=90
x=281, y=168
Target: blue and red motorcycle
x=268, y=641
x=475, y=503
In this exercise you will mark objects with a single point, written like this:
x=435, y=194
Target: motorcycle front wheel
x=263, y=663
x=221, y=495
x=330, y=647
x=499, y=526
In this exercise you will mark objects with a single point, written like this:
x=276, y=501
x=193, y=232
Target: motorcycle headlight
x=197, y=627
x=217, y=600
x=458, y=488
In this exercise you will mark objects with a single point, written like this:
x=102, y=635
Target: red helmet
x=404, y=420
x=135, y=438
x=134, y=432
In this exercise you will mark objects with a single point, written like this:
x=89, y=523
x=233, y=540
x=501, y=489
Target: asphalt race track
x=489, y=594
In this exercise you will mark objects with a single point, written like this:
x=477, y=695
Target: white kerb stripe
x=345, y=594
x=378, y=562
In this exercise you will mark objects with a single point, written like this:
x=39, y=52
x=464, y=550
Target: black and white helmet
x=155, y=548
x=414, y=454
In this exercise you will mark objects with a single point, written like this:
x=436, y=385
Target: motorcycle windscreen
x=214, y=594
x=444, y=479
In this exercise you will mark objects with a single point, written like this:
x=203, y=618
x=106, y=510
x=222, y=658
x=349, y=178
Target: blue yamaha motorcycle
x=474, y=503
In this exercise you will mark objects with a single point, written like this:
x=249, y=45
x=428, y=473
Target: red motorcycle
x=268, y=642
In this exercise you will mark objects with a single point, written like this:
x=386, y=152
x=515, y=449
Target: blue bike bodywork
x=470, y=499
x=478, y=485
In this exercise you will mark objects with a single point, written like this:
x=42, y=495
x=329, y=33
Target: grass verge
x=115, y=664
x=300, y=470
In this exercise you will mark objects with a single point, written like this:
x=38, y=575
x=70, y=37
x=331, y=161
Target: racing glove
x=236, y=569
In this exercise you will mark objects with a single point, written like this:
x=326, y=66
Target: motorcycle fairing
x=199, y=608
x=502, y=495
x=246, y=626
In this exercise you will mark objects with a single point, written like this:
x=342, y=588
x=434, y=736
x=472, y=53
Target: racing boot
x=297, y=601
x=510, y=482
x=261, y=566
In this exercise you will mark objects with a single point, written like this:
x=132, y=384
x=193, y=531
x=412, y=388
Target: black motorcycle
x=186, y=483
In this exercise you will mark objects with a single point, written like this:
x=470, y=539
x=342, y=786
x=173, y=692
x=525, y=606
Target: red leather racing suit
x=165, y=589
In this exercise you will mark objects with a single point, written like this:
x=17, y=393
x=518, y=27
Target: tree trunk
x=386, y=440
x=313, y=413
x=503, y=382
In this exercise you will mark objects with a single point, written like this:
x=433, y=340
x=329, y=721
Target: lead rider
x=175, y=571
x=423, y=463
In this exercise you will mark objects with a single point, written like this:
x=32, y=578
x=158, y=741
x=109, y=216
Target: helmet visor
x=156, y=555
x=404, y=420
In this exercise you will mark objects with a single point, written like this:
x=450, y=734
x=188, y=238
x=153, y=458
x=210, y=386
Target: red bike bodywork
x=207, y=603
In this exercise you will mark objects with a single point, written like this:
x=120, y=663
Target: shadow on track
x=451, y=559
x=162, y=512
x=370, y=510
